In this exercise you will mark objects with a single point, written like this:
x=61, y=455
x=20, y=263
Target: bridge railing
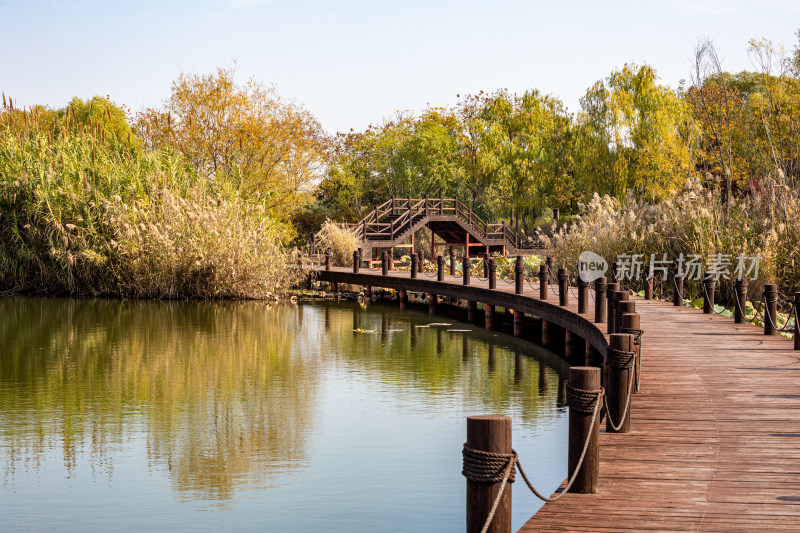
x=393, y=217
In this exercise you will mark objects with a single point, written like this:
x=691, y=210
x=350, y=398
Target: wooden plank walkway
x=715, y=440
x=715, y=431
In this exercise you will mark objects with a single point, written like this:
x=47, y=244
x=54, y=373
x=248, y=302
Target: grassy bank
x=84, y=210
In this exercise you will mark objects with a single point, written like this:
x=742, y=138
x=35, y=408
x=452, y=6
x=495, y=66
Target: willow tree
x=636, y=135
x=244, y=136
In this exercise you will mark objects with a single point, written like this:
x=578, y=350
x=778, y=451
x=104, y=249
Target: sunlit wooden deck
x=715, y=435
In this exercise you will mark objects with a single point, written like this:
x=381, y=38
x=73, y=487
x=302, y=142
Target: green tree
x=636, y=133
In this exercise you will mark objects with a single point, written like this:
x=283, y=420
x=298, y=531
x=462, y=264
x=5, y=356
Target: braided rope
x=552, y=288
x=471, y=457
x=707, y=298
x=487, y=467
x=570, y=288
x=617, y=427
x=637, y=334
x=744, y=311
x=620, y=359
x=768, y=315
x=582, y=400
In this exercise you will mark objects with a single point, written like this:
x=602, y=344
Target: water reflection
x=410, y=348
x=227, y=398
x=218, y=389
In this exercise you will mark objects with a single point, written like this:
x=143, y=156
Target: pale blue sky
x=354, y=62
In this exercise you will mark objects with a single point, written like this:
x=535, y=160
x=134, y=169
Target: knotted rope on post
x=620, y=358
x=582, y=400
x=637, y=341
x=489, y=467
x=637, y=334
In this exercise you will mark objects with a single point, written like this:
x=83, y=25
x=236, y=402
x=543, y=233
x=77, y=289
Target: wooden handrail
x=403, y=211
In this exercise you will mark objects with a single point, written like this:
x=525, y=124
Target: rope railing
x=481, y=466
x=622, y=360
x=769, y=316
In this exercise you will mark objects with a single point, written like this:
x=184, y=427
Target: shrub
x=340, y=239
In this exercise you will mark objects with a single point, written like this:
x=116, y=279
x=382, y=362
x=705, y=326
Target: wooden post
x=466, y=267
x=796, y=322
x=575, y=348
x=489, y=434
x=740, y=309
x=770, y=309
x=432, y=301
x=335, y=286
x=414, y=261
x=677, y=289
x=546, y=339
x=709, y=286
x=617, y=388
x=452, y=262
x=624, y=306
x=619, y=296
x=648, y=283
x=580, y=429
x=583, y=292
x=519, y=319
x=367, y=291
x=328, y=259
x=488, y=312
x=519, y=275
x=543, y=275
x=384, y=263
x=563, y=290
x=356, y=262
x=611, y=288
x=492, y=273
x=439, y=268
x=402, y=298
x=632, y=321
x=600, y=300
x=472, y=308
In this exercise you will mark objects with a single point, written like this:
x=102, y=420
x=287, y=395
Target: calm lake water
x=165, y=416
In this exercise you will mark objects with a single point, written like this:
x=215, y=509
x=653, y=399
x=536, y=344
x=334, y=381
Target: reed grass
x=693, y=221
x=86, y=212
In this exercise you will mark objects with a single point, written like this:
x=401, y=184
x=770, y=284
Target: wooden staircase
x=395, y=221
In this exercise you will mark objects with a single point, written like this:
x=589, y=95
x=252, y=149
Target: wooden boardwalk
x=715, y=435
x=715, y=431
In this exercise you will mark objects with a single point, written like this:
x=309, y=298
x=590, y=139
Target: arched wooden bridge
x=394, y=223
x=715, y=428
